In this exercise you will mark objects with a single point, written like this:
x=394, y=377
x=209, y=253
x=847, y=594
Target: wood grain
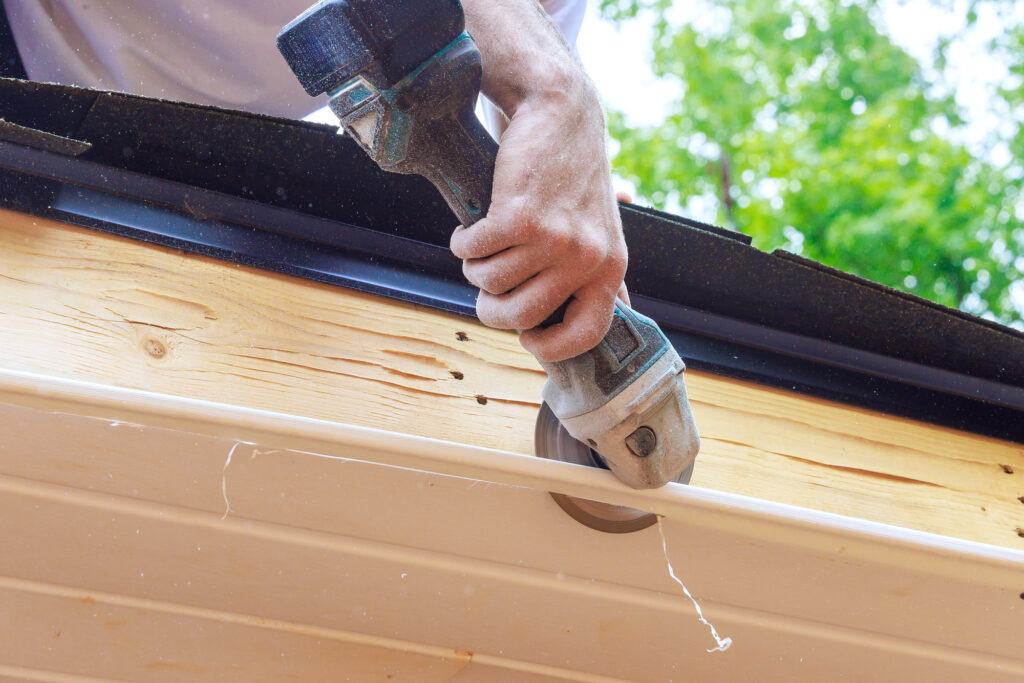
x=81, y=304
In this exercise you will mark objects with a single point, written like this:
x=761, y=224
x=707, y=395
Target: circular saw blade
x=552, y=441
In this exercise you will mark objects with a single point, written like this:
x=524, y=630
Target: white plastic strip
x=991, y=565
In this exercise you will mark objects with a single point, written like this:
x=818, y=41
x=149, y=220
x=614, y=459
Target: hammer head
x=334, y=40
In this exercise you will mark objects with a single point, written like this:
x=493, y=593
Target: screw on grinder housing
x=403, y=77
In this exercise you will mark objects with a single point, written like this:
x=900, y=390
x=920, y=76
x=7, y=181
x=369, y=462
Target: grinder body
x=403, y=78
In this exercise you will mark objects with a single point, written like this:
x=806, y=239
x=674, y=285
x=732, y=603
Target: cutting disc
x=552, y=441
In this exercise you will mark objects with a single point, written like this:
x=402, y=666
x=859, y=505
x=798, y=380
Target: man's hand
x=553, y=232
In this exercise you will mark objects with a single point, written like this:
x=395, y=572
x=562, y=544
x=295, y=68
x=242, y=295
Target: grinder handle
x=452, y=149
x=457, y=156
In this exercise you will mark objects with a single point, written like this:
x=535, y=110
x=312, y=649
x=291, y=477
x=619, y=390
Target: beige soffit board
x=349, y=553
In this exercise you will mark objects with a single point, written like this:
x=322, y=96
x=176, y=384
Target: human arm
x=553, y=231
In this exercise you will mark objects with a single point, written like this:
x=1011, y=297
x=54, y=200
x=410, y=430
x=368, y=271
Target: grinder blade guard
x=552, y=441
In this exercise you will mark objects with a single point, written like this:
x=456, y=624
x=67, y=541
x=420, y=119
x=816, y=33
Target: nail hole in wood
x=462, y=336
x=482, y=400
x=1020, y=498
x=1020, y=532
x=456, y=374
x=1007, y=469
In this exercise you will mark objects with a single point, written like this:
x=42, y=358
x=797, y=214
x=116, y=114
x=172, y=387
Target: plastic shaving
x=224, y=480
x=723, y=643
x=255, y=452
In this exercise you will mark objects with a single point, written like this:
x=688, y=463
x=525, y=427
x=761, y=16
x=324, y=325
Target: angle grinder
x=403, y=78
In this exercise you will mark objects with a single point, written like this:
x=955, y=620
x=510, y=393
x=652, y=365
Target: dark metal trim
x=830, y=354
x=175, y=215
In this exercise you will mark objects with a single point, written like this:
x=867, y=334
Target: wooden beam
x=77, y=303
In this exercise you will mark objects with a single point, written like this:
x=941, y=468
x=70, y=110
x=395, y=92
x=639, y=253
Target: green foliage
x=1012, y=46
x=811, y=130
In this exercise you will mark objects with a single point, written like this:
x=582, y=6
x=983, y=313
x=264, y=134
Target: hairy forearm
x=525, y=57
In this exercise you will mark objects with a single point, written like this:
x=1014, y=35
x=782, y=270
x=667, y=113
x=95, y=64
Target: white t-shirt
x=219, y=52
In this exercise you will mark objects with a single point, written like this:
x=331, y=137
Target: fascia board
x=181, y=216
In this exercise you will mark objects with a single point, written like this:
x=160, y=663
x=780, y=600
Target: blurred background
x=882, y=137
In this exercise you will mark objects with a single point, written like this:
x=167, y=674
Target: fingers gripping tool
x=403, y=77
